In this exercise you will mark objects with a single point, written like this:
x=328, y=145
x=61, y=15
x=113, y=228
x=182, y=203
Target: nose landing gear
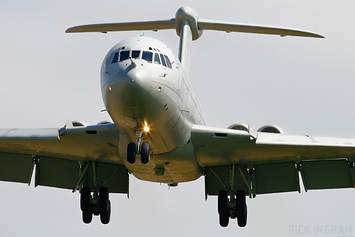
x=143, y=150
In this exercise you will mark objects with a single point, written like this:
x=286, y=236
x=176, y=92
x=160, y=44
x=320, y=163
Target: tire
x=105, y=217
x=223, y=203
x=103, y=200
x=224, y=220
x=131, y=152
x=85, y=199
x=87, y=217
x=241, y=208
x=145, y=153
x=242, y=220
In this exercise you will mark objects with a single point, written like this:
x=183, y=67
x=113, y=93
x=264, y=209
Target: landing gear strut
x=232, y=207
x=143, y=150
x=96, y=204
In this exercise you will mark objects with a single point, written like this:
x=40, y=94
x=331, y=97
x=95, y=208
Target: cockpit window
x=167, y=61
x=156, y=59
x=124, y=55
x=148, y=56
x=162, y=60
x=115, y=58
x=135, y=53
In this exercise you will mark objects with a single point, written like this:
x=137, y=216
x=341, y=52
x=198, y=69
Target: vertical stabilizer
x=186, y=20
x=185, y=47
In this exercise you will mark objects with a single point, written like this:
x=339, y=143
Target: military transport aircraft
x=159, y=133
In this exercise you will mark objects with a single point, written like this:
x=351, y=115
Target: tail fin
x=189, y=27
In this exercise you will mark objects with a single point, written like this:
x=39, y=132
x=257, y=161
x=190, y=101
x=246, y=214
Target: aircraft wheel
x=223, y=202
x=223, y=208
x=85, y=199
x=223, y=220
x=103, y=200
x=131, y=152
x=242, y=220
x=105, y=217
x=240, y=205
x=87, y=217
x=241, y=208
x=145, y=153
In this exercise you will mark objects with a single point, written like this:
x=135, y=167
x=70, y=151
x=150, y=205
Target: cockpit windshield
x=135, y=53
x=124, y=55
x=156, y=59
x=148, y=56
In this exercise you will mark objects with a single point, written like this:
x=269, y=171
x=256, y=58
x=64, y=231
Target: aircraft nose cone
x=133, y=86
x=129, y=93
x=136, y=80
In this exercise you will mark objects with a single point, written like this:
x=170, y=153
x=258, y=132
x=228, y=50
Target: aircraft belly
x=176, y=166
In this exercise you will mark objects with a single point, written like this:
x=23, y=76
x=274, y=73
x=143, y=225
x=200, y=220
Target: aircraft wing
x=63, y=158
x=271, y=163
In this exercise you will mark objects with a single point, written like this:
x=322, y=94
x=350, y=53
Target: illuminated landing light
x=159, y=89
x=109, y=88
x=146, y=128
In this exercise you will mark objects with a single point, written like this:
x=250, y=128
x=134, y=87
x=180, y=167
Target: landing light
x=146, y=129
x=159, y=89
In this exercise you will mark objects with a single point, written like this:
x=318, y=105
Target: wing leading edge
x=270, y=163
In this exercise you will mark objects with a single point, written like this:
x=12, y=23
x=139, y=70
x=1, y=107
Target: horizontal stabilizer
x=126, y=26
x=233, y=27
x=197, y=24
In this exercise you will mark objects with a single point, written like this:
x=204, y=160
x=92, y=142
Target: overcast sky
x=305, y=86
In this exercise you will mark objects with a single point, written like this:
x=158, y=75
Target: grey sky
x=305, y=86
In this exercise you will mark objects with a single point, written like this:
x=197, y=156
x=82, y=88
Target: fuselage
x=144, y=86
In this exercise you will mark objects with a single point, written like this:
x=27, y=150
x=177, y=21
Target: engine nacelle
x=239, y=126
x=271, y=129
x=71, y=124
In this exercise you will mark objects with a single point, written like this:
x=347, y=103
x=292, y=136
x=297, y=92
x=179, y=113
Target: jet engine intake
x=271, y=129
x=239, y=126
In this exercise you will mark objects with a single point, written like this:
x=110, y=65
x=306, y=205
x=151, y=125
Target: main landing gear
x=232, y=207
x=143, y=150
x=96, y=204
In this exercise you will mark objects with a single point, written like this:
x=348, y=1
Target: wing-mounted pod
x=271, y=129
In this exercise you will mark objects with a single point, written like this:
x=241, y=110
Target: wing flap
x=327, y=174
x=15, y=167
x=114, y=177
x=275, y=178
x=59, y=173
